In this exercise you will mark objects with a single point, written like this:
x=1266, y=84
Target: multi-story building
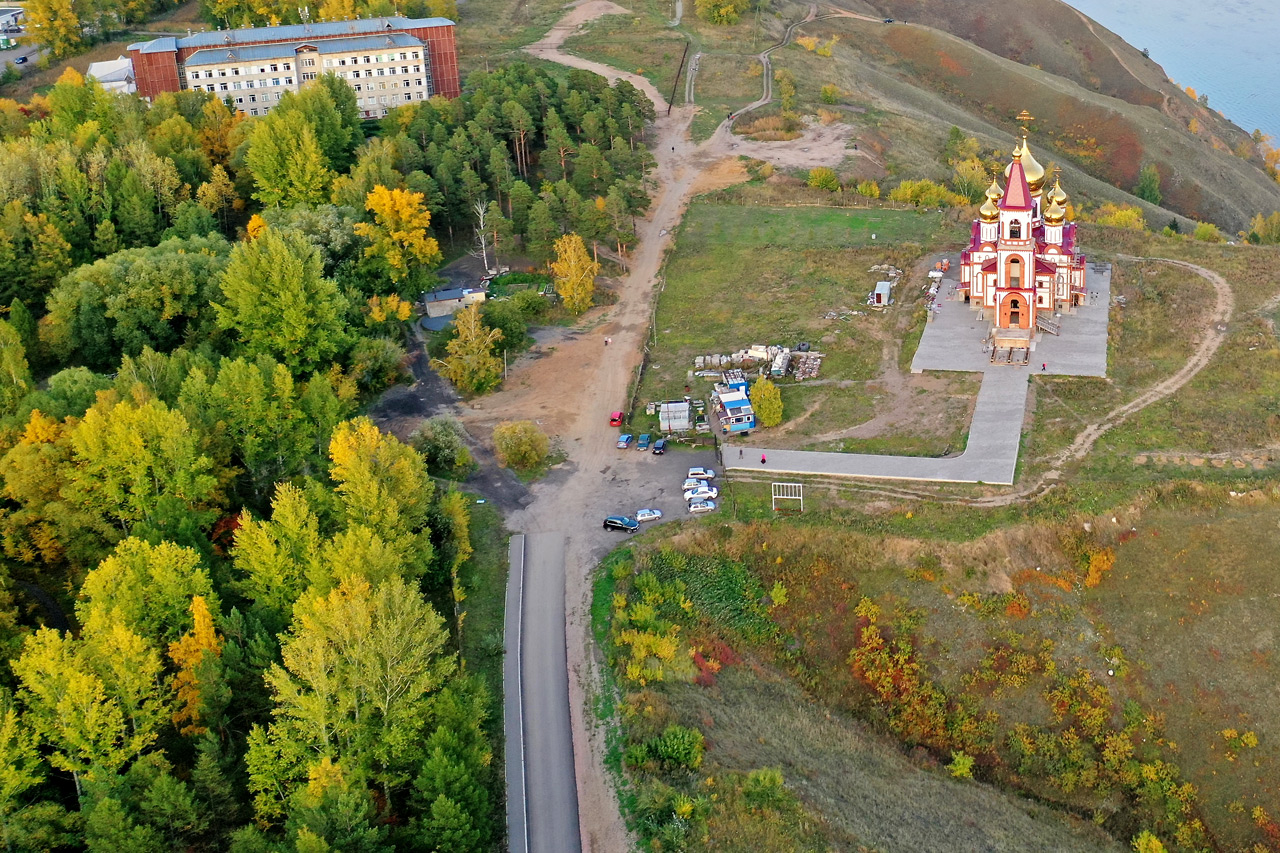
x=387, y=61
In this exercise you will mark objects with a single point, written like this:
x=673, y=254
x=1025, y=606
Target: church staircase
x=1044, y=324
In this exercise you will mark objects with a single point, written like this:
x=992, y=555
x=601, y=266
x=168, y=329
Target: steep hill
x=1099, y=103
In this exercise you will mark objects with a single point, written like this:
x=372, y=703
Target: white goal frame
x=788, y=492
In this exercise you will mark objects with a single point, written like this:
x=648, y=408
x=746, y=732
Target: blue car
x=624, y=441
x=643, y=443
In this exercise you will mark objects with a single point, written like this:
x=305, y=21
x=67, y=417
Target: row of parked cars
x=698, y=493
x=642, y=443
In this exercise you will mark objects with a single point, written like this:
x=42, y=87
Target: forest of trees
x=221, y=587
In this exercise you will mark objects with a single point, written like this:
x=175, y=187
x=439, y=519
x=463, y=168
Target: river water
x=1226, y=49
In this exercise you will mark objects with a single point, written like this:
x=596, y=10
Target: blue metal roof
x=302, y=32
x=256, y=52
x=167, y=44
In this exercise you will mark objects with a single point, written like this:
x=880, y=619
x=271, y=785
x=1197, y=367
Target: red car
x=615, y=419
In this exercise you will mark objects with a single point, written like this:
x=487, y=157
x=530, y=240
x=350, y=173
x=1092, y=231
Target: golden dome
x=1034, y=171
x=1030, y=167
x=1055, y=214
x=1057, y=196
x=989, y=212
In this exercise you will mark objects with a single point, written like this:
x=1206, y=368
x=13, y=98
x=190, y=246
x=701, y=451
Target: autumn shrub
x=1207, y=232
x=678, y=746
x=725, y=12
x=830, y=94
x=823, y=178
x=869, y=189
x=443, y=444
x=520, y=445
x=1120, y=216
x=377, y=363
x=926, y=193
x=1101, y=560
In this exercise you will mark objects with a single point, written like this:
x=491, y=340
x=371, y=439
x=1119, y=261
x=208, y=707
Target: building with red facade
x=389, y=62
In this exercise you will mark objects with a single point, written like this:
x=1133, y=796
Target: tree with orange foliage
x=194, y=654
x=398, y=234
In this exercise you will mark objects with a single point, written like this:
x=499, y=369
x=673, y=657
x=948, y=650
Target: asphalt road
x=545, y=737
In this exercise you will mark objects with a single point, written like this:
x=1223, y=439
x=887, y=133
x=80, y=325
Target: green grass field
x=743, y=275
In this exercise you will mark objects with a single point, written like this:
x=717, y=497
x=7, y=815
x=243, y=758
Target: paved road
x=991, y=456
x=539, y=709
x=953, y=341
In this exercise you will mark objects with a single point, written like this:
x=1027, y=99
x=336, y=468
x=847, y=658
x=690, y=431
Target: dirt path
x=1214, y=335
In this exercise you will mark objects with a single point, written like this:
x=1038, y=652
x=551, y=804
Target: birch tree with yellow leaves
x=398, y=235
x=575, y=273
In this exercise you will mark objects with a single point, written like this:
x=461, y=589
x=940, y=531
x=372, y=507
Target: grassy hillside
x=1093, y=664
x=934, y=79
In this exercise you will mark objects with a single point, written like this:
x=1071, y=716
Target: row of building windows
x=196, y=74
x=369, y=60
x=369, y=87
x=383, y=72
x=235, y=72
x=248, y=84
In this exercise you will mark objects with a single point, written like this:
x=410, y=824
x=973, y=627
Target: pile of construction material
x=752, y=356
x=888, y=269
x=806, y=365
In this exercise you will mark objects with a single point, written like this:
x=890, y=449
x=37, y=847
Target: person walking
x=739, y=452
x=1044, y=366
x=762, y=459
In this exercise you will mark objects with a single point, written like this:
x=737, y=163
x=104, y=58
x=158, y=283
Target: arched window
x=1015, y=312
x=1015, y=230
x=1015, y=272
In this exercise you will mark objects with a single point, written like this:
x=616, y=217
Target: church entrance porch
x=1015, y=312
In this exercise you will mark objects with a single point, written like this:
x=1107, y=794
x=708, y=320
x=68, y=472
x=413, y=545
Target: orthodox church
x=1022, y=264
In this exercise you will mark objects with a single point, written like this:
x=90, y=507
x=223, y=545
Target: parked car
x=694, y=483
x=702, y=473
x=660, y=447
x=624, y=441
x=615, y=419
x=643, y=442
x=621, y=522
x=648, y=515
x=705, y=493
x=702, y=506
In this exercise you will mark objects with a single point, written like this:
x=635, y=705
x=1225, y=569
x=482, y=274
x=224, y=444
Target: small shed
x=881, y=295
x=674, y=416
x=451, y=300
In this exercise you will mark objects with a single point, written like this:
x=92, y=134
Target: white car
x=694, y=484
x=702, y=506
x=705, y=493
x=702, y=473
x=648, y=515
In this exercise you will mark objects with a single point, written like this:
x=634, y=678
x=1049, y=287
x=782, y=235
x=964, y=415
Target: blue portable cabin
x=735, y=411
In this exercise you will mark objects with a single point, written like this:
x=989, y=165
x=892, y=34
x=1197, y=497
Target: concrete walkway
x=954, y=341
